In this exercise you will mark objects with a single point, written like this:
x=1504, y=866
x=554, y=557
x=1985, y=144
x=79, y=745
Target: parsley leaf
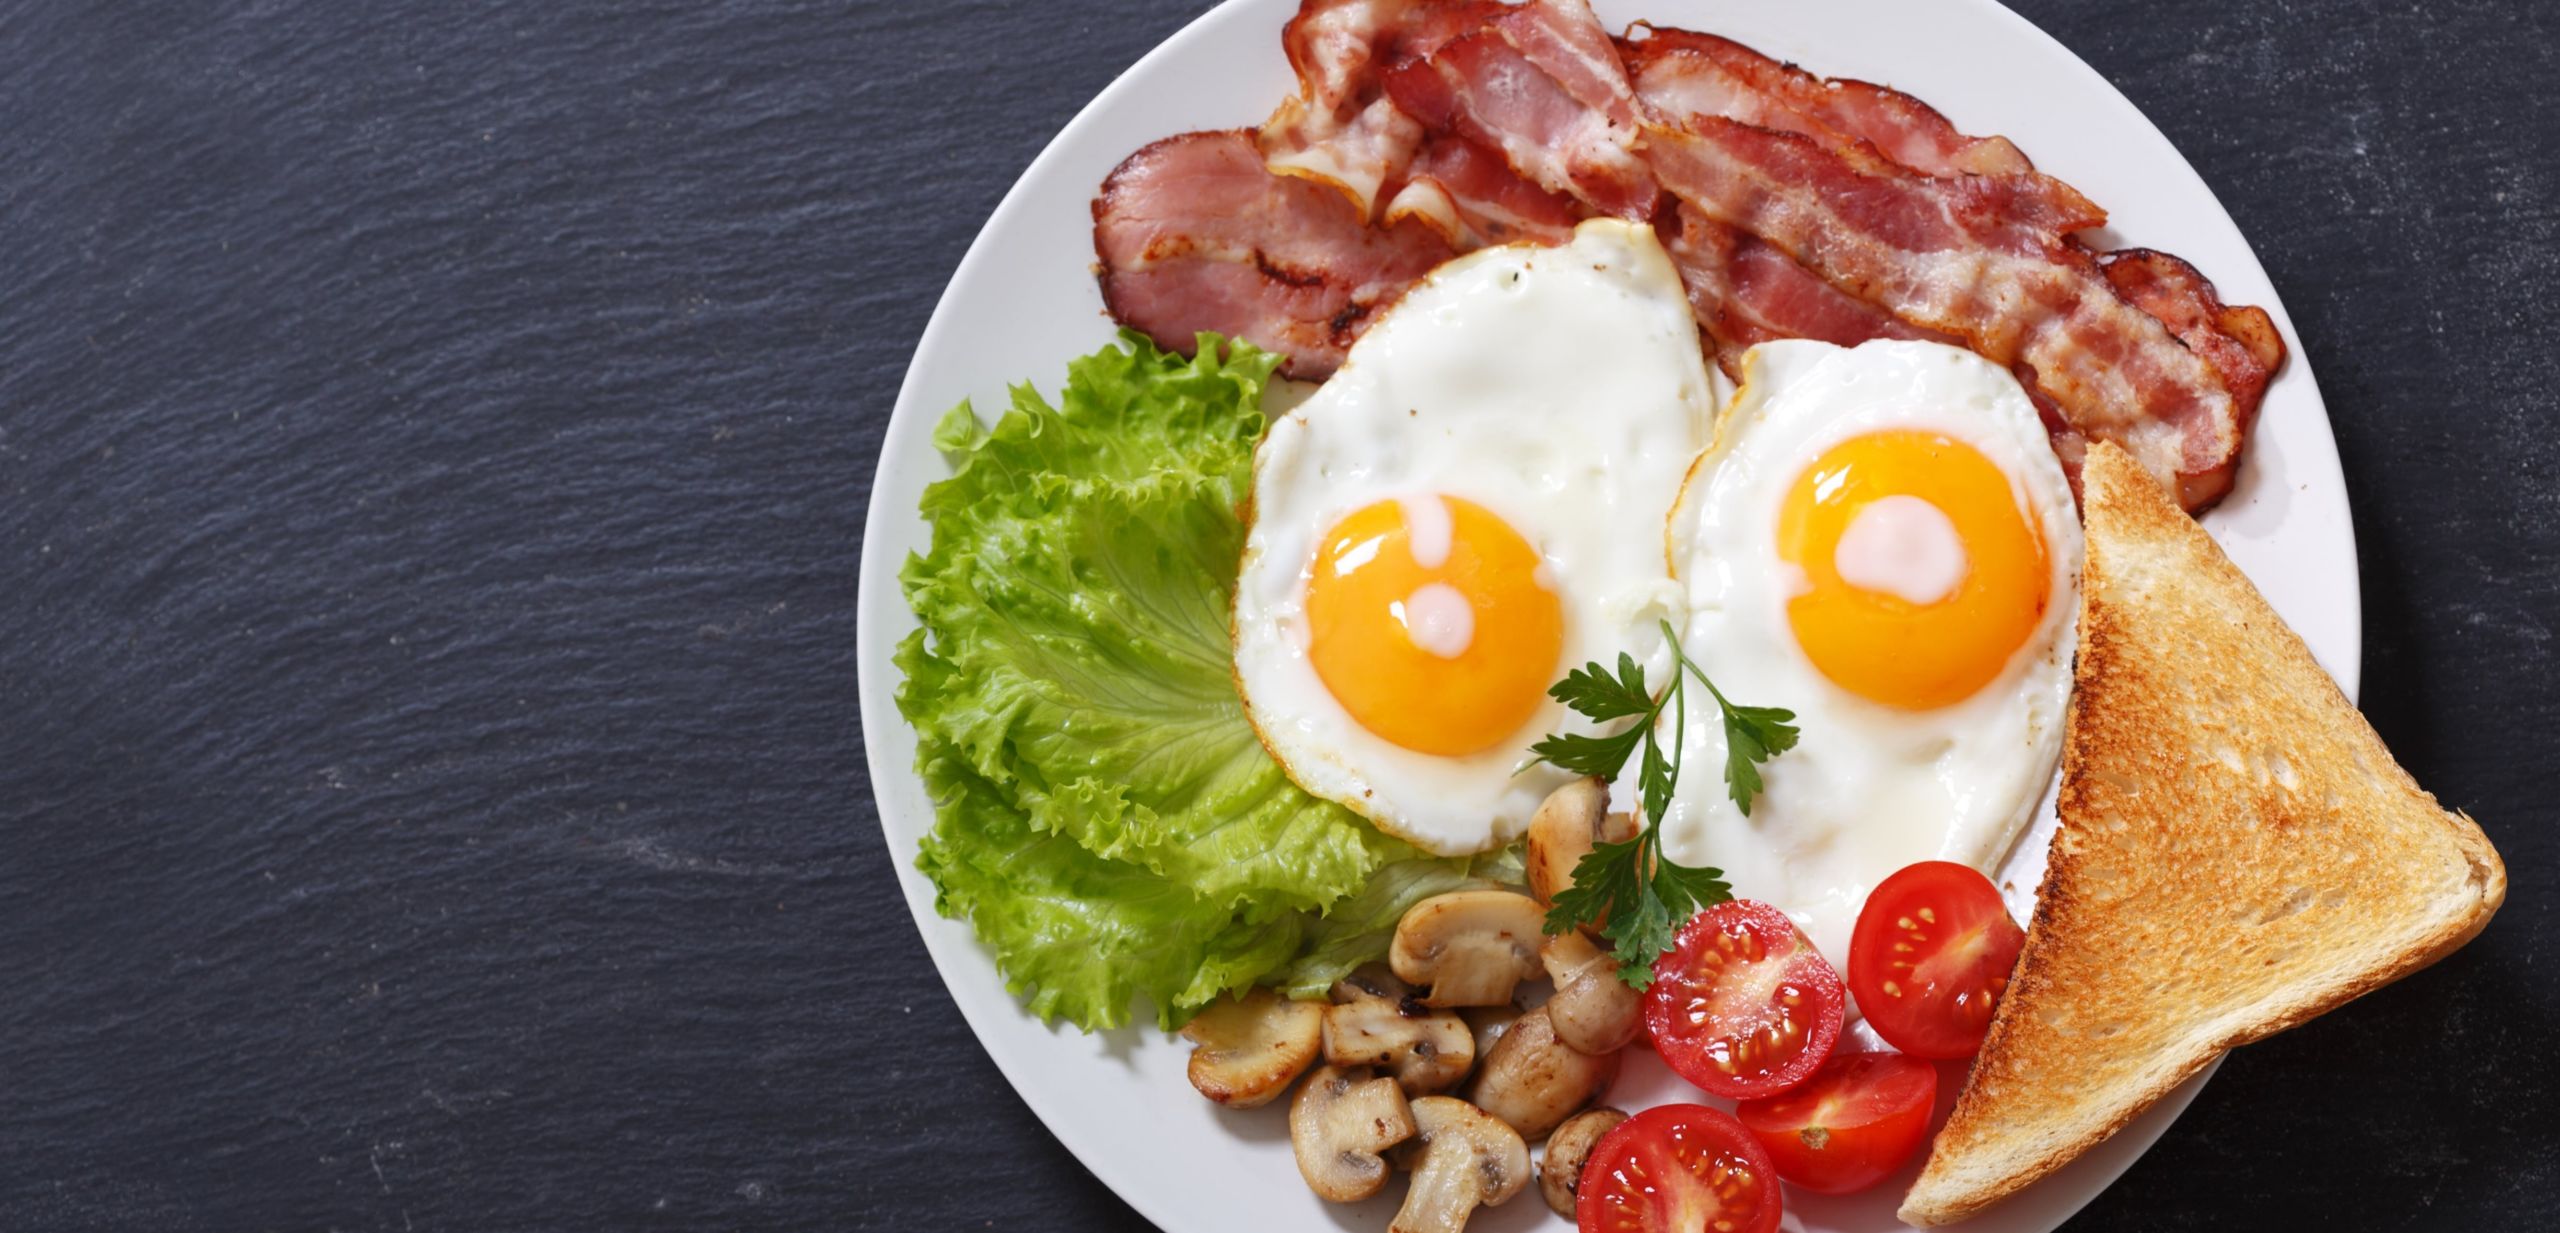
x=1752, y=735
x=1637, y=895
x=1690, y=889
x=1590, y=690
x=1589, y=755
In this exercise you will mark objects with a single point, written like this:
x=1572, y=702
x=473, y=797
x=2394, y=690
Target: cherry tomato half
x=1742, y=1005
x=1930, y=958
x=1850, y=1125
x=1678, y=1169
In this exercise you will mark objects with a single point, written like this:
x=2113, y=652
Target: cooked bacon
x=1357, y=154
x=1542, y=86
x=1836, y=210
x=1947, y=255
x=1472, y=198
x=2241, y=343
x=1684, y=72
x=1679, y=74
x=1194, y=233
x=1745, y=292
x=1338, y=128
x=1567, y=43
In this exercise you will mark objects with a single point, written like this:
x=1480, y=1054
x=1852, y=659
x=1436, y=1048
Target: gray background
x=433, y=443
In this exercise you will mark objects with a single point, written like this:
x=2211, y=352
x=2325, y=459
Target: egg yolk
x=1875, y=639
x=1430, y=623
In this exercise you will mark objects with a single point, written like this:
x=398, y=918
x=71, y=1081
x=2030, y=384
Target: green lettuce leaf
x=1106, y=818
x=1076, y=935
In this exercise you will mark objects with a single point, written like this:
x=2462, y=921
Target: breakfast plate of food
x=1483, y=613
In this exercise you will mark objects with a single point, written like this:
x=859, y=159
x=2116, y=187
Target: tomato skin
x=1742, y=1005
x=1658, y=1172
x=1849, y=1126
x=1933, y=997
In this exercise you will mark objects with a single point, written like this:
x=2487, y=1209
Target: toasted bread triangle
x=2238, y=853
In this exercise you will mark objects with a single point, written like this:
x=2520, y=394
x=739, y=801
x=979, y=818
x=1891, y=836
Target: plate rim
x=877, y=679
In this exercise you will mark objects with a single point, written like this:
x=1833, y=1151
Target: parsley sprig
x=1643, y=895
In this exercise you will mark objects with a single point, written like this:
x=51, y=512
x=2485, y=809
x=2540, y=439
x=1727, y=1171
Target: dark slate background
x=433, y=447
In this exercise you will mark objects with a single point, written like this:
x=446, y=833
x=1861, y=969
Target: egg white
x=1560, y=388
x=1869, y=788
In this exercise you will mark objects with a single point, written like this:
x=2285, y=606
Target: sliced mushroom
x=1383, y=1024
x=1560, y=833
x=1471, y=947
x=1490, y=1022
x=1462, y=1159
x=1569, y=823
x=1246, y=1050
x=1592, y=1010
x=1533, y=1081
x=1339, y=1124
x=1568, y=1149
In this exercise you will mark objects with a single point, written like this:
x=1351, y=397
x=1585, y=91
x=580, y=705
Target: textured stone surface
x=433, y=440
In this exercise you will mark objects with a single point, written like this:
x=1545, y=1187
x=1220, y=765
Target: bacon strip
x=1472, y=198
x=1942, y=254
x=2241, y=343
x=1541, y=85
x=1684, y=72
x=1680, y=74
x=1339, y=128
x=1194, y=233
x=1745, y=292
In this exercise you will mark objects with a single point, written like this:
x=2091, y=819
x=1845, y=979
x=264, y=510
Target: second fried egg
x=1882, y=541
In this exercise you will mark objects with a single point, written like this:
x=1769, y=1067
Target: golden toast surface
x=2238, y=853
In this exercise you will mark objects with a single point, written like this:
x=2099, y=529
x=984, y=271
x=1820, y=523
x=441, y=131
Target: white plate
x=1023, y=303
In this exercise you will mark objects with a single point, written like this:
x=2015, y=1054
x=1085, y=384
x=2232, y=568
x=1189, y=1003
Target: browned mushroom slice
x=1473, y=948
x=1339, y=1124
x=1568, y=1149
x=1569, y=823
x=1427, y=1050
x=1462, y=1159
x=1560, y=833
x=1592, y=1010
x=1532, y=1081
x=1246, y=1050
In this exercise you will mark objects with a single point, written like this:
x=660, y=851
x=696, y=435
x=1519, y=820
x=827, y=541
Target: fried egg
x=1881, y=541
x=1472, y=503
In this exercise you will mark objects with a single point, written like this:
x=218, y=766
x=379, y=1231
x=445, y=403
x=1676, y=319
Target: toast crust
x=2237, y=854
